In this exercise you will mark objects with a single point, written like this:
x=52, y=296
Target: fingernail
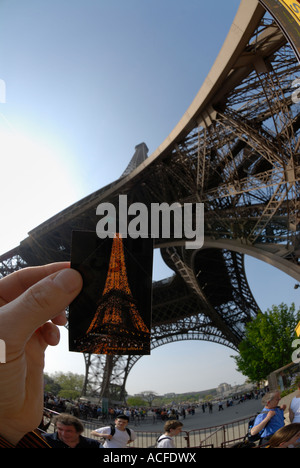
x=68, y=280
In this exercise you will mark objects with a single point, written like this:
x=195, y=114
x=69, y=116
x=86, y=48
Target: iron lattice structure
x=236, y=150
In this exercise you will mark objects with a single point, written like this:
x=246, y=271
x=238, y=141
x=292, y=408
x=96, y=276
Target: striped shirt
x=30, y=440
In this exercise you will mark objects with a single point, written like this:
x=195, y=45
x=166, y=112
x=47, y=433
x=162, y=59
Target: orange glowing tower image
x=117, y=326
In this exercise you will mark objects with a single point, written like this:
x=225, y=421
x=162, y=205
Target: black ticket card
x=112, y=313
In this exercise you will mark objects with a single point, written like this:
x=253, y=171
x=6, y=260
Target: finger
x=40, y=303
x=49, y=333
x=60, y=319
x=16, y=283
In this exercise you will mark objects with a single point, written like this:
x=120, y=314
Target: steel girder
x=236, y=151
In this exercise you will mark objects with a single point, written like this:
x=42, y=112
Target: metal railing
x=221, y=436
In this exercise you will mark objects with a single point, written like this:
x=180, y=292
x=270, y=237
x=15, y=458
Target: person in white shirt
x=171, y=429
x=118, y=436
x=294, y=409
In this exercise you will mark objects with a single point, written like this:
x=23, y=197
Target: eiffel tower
x=117, y=327
x=237, y=150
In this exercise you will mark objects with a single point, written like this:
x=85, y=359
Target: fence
x=218, y=436
x=221, y=436
x=210, y=437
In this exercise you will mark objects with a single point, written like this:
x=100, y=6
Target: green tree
x=67, y=385
x=149, y=396
x=51, y=385
x=267, y=345
x=136, y=401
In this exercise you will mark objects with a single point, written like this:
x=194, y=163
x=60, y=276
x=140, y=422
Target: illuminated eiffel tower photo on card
x=112, y=314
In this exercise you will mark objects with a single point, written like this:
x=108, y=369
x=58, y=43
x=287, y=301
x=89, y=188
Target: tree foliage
x=67, y=385
x=267, y=345
x=149, y=396
x=136, y=401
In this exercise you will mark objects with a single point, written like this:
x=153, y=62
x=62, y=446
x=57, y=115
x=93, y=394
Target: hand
x=29, y=298
x=270, y=415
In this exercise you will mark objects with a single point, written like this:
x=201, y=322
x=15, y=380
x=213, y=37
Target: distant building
x=223, y=388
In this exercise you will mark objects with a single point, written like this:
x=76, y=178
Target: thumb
x=42, y=302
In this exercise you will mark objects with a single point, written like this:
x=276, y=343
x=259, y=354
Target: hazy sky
x=87, y=80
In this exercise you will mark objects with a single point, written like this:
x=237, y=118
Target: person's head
x=172, y=427
x=271, y=399
x=287, y=435
x=68, y=428
x=121, y=422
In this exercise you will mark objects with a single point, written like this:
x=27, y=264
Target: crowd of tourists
x=87, y=410
x=268, y=429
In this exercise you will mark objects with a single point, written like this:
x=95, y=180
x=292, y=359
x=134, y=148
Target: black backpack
x=256, y=437
x=113, y=430
x=158, y=440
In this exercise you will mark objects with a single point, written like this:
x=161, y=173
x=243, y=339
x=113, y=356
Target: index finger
x=13, y=285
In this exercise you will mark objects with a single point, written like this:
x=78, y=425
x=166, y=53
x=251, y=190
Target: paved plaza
x=202, y=420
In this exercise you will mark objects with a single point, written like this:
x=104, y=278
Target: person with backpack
x=270, y=419
x=117, y=435
x=171, y=428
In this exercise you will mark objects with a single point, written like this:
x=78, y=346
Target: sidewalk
x=203, y=420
